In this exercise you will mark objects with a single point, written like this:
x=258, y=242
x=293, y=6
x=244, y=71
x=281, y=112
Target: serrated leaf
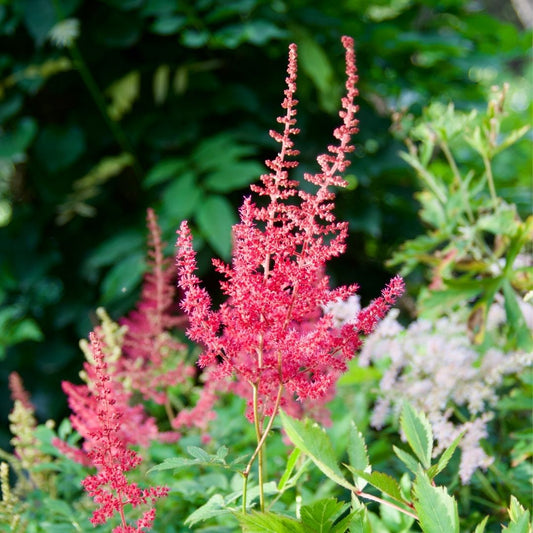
x=222, y=453
x=320, y=515
x=357, y=455
x=291, y=463
x=215, y=218
x=511, y=138
x=314, y=442
x=215, y=506
x=436, y=509
x=198, y=453
x=385, y=483
x=173, y=462
x=359, y=522
x=444, y=458
x=269, y=522
x=407, y=459
x=520, y=518
x=480, y=528
x=417, y=431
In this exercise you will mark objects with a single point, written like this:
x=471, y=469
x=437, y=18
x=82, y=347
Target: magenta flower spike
x=271, y=337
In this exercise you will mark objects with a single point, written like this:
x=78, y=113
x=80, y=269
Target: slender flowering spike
x=18, y=392
x=271, y=333
x=109, y=487
x=147, y=343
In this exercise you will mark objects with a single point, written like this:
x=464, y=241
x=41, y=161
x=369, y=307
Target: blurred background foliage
x=110, y=106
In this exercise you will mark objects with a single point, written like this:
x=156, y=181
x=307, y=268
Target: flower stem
x=260, y=448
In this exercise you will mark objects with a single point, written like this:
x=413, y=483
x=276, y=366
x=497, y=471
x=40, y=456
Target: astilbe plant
x=147, y=363
x=270, y=338
x=99, y=418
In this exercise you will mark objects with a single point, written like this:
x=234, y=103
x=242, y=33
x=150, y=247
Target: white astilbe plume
x=434, y=366
x=64, y=33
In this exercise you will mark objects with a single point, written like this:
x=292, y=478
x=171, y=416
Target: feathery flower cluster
x=270, y=335
x=22, y=426
x=99, y=418
x=136, y=427
x=147, y=363
x=434, y=366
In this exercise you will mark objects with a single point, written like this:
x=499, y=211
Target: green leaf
x=160, y=83
x=316, y=64
x=357, y=454
x=385, y=483
x=200, y=457
x=520, y=518
x=198, y=453
x=268, y=522
x=123, y=93
x=359, y=522
x=215, y=219
x=219, y=151
x=113, y=249
x=173, y=462
x=215, y=506
x=234, y=176
x=123, y=277
x=168, y=25
x=58, y=147
x=511, y=138
x=417, y=431
x=515, y=318
x=314, y=442
x=320, y=515
x=167, y=169
x=480, y=528
x=291, y=463
x=444, y=458
x=15, y=329
x=180, y=199
x=14, y=143
x=194, y=38
x=407, y=459
x=118, y=29
x=436, y=509
x=39, y=17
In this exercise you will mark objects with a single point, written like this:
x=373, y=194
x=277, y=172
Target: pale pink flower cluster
x=148, y=364
x=434, y=366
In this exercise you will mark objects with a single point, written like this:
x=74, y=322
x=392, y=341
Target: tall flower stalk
x=271, y=338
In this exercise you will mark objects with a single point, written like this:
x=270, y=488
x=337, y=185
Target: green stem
x=259, y=450
x=490, y=179
x=459, y=179
x=367, y=496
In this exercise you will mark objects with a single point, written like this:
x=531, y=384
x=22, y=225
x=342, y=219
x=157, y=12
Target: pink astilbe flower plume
x=271, y=334
x=18, y=392
x=148, y=360
x=100, y=418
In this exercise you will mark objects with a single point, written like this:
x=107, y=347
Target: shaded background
x=108, y=107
